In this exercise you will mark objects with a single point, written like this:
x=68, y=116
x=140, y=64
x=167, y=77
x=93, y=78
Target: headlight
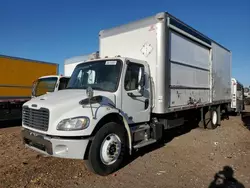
x=73, y=124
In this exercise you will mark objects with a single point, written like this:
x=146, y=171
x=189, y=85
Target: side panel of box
x=221, y=72
x=190, y=71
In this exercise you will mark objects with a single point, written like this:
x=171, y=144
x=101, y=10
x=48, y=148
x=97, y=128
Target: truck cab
x=47, y=84
x=102, y=98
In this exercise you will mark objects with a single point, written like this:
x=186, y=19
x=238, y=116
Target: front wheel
x=108, y=149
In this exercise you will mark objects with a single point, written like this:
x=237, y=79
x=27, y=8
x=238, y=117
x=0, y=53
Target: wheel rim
x=110, y=149
x=214, y=118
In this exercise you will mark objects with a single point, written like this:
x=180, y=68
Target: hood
x=67, y=97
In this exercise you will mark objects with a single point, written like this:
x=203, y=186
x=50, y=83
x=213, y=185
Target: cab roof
x=53, y=76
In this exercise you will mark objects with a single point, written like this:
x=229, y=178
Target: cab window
x=63, y=83
x=133, y=76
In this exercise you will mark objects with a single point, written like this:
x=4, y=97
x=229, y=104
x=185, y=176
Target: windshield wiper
x=96, y=87
x=72, y=88
x=93, y=87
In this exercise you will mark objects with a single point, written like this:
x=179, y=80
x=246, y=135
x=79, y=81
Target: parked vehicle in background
x=247, y=92
x=48, y=84
x=247, y=96
x=52, y=83
x=16, y=78
x=237, y=93
x=152, y=74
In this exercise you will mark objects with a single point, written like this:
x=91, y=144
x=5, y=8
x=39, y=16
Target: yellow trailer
x=16, y=79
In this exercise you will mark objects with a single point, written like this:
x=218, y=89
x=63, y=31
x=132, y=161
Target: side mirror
x=89, y=92
x=142, y=81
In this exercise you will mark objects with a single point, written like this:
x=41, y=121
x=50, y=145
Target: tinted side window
x=133, y=76
x=63, y=83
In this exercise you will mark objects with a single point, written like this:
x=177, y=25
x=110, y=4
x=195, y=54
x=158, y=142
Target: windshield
x=100, y=75
x=44, y=85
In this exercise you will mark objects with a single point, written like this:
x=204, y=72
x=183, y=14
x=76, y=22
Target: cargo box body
x=17, y=76
x=187, y=68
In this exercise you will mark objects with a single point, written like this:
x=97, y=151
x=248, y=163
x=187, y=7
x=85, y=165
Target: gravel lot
x=190, y=158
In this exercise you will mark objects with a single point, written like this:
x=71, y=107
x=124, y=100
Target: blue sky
x=54, y=30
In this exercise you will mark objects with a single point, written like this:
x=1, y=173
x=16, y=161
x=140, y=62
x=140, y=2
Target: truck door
x=136, y=95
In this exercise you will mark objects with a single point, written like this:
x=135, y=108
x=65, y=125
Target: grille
x=38, y=119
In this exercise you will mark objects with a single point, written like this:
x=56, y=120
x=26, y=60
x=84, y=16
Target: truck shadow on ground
x=245, y=118
x=169, y=135
x=10, y=123
x=225, y=179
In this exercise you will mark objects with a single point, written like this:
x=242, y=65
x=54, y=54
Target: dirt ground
x=190, y=158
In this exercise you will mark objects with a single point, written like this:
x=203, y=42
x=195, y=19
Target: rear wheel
x=212, y=119
x=108, y=149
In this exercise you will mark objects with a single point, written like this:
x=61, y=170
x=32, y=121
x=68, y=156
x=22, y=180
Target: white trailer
x=237, y=94
x=71, y=63
x=152, y=74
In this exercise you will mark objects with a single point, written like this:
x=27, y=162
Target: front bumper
x=57, y=147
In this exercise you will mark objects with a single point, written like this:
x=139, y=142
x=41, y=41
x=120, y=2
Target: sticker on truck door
x=110, y=62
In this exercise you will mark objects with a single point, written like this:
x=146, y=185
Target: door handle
x=146, y=104
x=130, y=94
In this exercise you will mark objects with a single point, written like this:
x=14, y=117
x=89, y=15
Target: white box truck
x=48, y=84
x=152, y=74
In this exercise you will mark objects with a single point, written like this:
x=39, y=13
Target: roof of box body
x=140, y=23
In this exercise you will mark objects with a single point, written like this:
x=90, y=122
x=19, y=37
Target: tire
x=201, y=120
x=212, y=121
x=110, y=140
